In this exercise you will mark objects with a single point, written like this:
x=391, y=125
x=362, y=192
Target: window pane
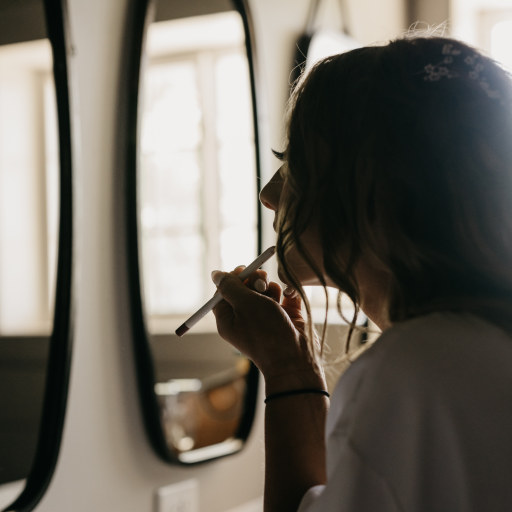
x=233, y=97
x=170, y=190
x=28, y=188
x=238, y=246
x=236, y=158
x=501, y=42
x=172, y=113
x=198, y=172
x=170, y=195
x=177, y=285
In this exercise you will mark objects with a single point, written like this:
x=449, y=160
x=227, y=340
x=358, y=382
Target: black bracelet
x=283, y=394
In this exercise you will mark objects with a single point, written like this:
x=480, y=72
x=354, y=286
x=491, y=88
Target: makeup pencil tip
x=181, y=330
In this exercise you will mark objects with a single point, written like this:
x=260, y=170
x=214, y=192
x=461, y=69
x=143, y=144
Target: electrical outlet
x=180, y=497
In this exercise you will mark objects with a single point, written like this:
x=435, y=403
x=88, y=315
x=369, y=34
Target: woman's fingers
x=274, y=291
x=267, y=327
x=230, y=286
x=257, y=281
x=291, y=300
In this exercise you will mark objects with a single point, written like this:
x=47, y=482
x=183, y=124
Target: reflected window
x=501, y=42
x=194, y=182
x=29, y=170
x=36, y=220
x=197, y=188
x=486, y=27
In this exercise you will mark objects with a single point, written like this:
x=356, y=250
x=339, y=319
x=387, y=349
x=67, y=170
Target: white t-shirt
x=422, y=421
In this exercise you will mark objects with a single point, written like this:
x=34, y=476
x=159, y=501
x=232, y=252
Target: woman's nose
x=271, y=192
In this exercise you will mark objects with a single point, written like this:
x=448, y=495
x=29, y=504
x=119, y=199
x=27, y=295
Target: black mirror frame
x=141, y=16
x=60, y=346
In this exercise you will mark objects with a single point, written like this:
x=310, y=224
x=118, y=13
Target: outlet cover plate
x=179, y=497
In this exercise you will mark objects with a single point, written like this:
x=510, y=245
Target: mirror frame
x=142, y=15
x=60, y=345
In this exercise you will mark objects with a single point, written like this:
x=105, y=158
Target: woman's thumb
x=229, y=286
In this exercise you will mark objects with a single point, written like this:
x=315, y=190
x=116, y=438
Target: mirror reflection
x=197, y=200
x=28, y=189
x=29, y=206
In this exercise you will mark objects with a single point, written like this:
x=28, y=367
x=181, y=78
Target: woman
x=395, y=188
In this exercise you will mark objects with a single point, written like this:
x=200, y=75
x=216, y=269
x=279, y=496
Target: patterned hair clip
x=444, y=69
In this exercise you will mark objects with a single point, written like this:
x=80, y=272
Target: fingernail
x=260, y=285
x=289, y=291
x=217, y=277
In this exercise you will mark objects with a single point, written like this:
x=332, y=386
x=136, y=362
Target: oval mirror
x=192, y=207
x=35, y=245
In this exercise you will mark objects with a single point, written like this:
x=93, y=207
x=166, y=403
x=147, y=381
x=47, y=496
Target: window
x=198, y=177
x=28, y=189
x=501, y=40
x=485, y=24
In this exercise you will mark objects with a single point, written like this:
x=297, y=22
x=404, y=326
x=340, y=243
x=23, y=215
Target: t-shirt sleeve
x=353, y=486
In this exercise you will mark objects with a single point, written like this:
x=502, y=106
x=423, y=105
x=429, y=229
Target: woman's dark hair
x=403, y=153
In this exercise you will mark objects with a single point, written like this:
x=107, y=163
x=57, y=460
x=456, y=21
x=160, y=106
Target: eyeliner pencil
x=202, y=311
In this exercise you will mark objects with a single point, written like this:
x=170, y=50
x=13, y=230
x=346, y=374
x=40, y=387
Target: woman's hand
x=268, y=327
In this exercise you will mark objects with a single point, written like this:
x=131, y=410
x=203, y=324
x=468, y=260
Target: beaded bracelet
x=283, y=394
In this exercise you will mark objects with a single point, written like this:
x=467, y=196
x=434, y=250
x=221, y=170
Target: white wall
x=430, y=12
x=105, y=462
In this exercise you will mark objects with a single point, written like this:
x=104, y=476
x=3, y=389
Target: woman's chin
x=306, y=280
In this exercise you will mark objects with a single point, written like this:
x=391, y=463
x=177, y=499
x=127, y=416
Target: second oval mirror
x=196, y=209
